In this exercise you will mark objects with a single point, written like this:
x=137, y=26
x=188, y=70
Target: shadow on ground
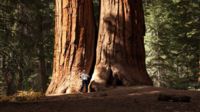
x=121, y=99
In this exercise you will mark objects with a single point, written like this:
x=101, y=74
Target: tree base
x=117, y=75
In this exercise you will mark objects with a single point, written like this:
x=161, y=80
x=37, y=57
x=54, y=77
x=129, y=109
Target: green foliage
x=172, y=42
x=26, y=36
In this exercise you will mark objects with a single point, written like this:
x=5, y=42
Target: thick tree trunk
x=74, y=45
x=120, y=49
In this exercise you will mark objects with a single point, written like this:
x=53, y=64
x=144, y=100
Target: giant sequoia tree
x=120, y=49
x=74, y=44
x=120, y=56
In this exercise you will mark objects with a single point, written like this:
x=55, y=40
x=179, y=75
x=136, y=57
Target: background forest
x=172, y=43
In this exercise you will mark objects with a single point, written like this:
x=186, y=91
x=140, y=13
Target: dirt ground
x=121, y=99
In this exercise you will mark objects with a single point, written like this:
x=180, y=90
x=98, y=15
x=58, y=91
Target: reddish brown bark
x=120, y=56
x=74, y=45
x=120, y=50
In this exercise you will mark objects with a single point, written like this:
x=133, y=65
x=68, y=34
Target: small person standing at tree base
x=85, y=77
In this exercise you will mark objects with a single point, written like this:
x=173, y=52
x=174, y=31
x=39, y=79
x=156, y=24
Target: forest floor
x=121, y=99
